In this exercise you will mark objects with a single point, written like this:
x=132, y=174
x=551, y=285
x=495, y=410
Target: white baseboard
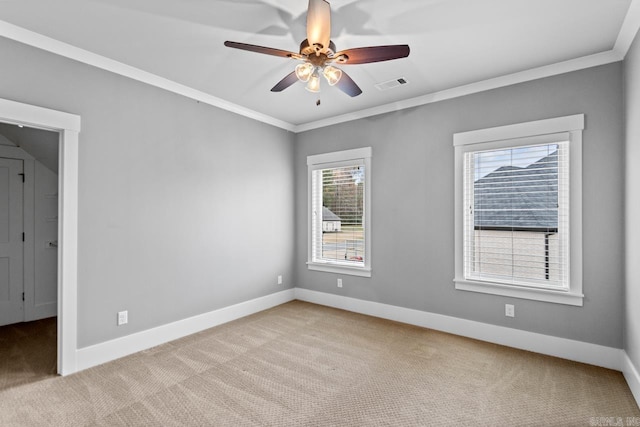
x=630, y=373
x=120, y=347
x=593, y=354
x=44, y=311
x=578, y=351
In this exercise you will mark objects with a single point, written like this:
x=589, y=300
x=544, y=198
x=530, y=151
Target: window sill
x=341, y=269
x=547, y=295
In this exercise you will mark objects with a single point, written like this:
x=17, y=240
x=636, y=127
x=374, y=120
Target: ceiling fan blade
x=262, y=49
x=319, y=23
x=285, y=83
x=348, y=86
x=365, y=55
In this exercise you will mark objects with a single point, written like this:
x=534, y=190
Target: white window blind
x=339, y=189
x=516, y=219
x=338, y=214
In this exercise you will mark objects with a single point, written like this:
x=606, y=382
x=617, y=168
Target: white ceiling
x=457, y=46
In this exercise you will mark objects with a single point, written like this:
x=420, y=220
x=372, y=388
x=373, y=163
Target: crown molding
x=629, y=29
x=456, y=92
x=66, y=50
x=628, y=32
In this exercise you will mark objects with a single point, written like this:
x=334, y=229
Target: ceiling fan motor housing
x=317, y=48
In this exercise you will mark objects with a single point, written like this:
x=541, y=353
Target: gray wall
x=183, y=208
x=632, y=297
x=179, y=200
x=413, y=199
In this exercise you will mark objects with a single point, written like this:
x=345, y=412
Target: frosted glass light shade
x=304, y=71
x=332, y=74
x=314, y=83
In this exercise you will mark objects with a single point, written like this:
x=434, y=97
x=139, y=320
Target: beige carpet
x=303, y=364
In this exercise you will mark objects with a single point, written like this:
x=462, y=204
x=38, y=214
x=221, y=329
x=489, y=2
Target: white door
x=11, y=242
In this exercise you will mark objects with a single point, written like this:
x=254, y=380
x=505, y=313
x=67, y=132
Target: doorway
x=28, y=223
x=28, y=253
x=68, y=127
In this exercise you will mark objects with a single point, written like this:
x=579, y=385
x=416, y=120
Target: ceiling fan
x=318, y=53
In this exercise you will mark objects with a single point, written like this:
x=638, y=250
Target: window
x=339, y=212
x=518, y=210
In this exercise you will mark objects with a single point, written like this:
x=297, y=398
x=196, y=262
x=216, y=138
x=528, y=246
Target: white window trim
x=463, y=142
x=319, y=161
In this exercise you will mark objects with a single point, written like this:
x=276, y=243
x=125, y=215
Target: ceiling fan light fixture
x=317, y=52
x=304, y=71
x=314, y=83
x=332, y=74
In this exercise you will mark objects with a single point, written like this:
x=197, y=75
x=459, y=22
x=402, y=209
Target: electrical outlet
x=509, y=310
x=280, y=279
x=123, y=317
x=339, y=283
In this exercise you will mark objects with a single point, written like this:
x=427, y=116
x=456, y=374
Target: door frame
x=68, y=127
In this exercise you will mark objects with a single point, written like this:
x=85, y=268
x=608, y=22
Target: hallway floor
x=27, y=352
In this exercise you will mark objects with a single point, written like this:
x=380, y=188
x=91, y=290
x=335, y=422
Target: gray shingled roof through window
x=519, y=198
x=327, y=215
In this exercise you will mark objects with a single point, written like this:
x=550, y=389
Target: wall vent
x=391, y=84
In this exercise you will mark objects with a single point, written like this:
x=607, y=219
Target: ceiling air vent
x=391, y=84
